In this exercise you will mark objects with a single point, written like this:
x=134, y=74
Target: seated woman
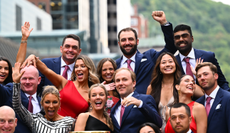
x=74, y=93
x=186, y=87
x=148, y=128
x=162, y=87
x=105, y=70
x=5, y=71
x=48, y=119
x=97, y=118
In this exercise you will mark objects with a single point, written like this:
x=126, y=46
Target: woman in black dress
x=97, y=118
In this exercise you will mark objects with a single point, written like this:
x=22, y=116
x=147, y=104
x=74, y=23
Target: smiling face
x=4, y=71
x=186, y=86
x=8, y=122
x=70, y=50
x=167, y=65
x=81, y=71
x=107, y=72
x=124, y=83
x=98, y=98
x=30, y=80
x=128, y=43
x=179, y=120
x=183, y=41
x=51, y=105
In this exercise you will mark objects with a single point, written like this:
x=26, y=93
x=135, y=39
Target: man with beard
x=183, y=39
x=215, y=100
x=143, y=64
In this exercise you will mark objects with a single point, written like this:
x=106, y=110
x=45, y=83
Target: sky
x=223, y=1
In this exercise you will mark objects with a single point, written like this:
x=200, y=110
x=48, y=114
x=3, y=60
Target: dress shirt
x=35, y=103
x=212, y=95
x=69, y=72
x=192, y=60
x=118, y=110
x=125, y=64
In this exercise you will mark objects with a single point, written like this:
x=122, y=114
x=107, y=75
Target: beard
x=185, y=49
x=131, y=52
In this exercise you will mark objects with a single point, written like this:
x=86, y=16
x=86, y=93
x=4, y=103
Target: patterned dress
x=37, y=122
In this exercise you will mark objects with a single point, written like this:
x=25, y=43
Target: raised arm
x=21, y=111
x=21, y=55
x=56, y=79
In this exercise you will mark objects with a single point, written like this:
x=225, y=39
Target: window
x=18, y=18
x=39, y=24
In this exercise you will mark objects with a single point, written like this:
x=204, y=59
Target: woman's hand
x=198, y=61
x=31, y=60
x=16, y=75
x=110, y=86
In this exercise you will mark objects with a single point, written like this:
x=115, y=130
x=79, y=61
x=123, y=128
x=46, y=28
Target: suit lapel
x=118, y=62
x=198, y=54
x=217, y=100
x=138, y=61
x=179, y=61
x=115, y=123
x=57, y=65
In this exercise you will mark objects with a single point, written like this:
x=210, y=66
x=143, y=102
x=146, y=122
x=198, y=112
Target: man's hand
x=25, y=29
x=31, y=60
x=131, y=100
x=16, y=75
x=159, y=16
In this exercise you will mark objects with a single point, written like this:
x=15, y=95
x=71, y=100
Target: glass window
x=18, y=18
x=39, y=24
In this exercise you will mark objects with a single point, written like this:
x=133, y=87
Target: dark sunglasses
x=177, y=37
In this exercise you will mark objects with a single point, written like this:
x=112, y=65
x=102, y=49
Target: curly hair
x=93, y=79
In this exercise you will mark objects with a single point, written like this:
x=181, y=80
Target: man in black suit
x=183, y=39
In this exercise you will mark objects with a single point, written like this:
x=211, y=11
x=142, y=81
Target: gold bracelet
x=25, y=41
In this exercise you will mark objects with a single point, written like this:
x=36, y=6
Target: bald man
x=29, y=82
x=8, y=121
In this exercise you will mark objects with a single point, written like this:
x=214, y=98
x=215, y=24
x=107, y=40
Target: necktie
x=207, y=107
x=128, y=64
x=30, y=105
x=64, y=74
x=122, y=112
x=188, y=68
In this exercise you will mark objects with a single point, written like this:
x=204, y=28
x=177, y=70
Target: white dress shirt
x=192, y=60
x=117, y=113
x=35, y=103
x=212, y=95
x=125, y=64
x=69, y=72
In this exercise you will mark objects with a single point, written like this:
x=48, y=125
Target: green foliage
x=209, y=22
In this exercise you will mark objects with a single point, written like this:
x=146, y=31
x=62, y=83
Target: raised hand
x=16, y=75
x=198, y=61
x=25, y=29
x=159, y=16
x=131, y=100
x=110, y=86
x=31, y=60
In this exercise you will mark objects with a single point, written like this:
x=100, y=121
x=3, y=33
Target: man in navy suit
x=29, y=82
x=183, y=41
x=133, y=109
x=70, y=49
x=143, y=64
x=216, y=100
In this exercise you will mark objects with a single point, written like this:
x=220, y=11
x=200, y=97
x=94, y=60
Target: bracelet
x=25, y=41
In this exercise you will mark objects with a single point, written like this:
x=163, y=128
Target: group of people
x=153, y=91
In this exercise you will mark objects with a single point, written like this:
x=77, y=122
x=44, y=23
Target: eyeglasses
x=177, y=37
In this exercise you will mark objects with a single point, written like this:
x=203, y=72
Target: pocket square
x=134, y=106
x=218, y=106
x=144, y=59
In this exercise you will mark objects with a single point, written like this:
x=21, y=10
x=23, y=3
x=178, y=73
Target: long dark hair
x=153, y=126
x=157, y=77
x=9, y=77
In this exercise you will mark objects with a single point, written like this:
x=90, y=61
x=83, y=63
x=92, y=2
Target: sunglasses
x=177, y=37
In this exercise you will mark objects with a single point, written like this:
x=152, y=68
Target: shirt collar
x=191, y=55
x=70, y=65
x=34, y=96
x=213, y=94
x=132, y=58
x=127, y=96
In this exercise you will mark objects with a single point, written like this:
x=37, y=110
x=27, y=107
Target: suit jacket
x=6, y=99
x=53, y=64
x=208, y=56
x=219, y=115
x=133, y=116
x=145, y=62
